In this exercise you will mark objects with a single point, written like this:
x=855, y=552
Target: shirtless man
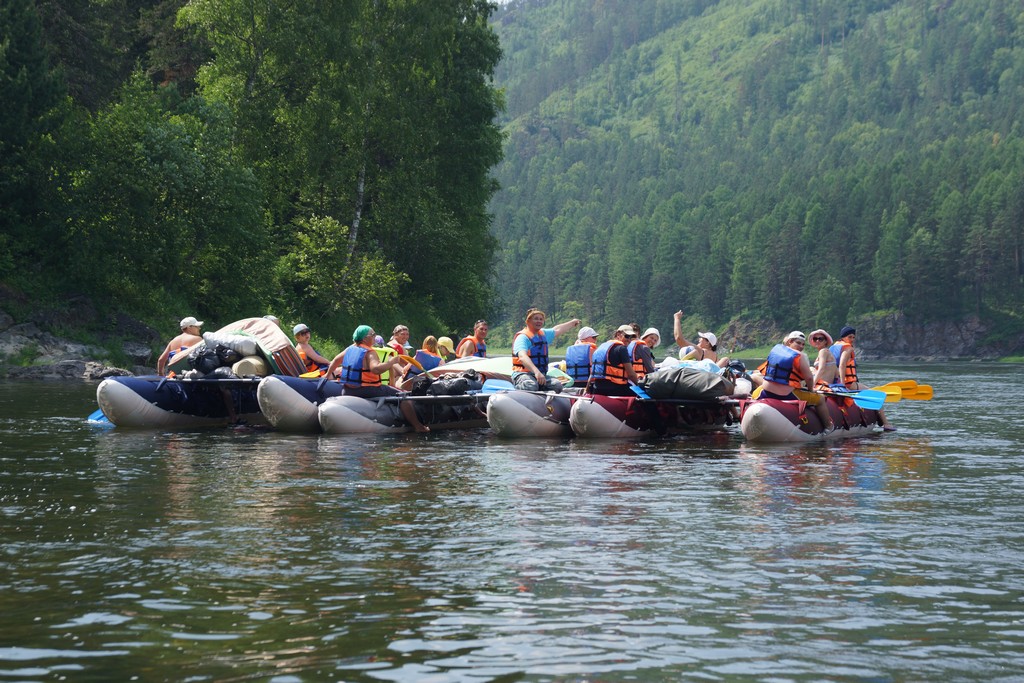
x=189, y=337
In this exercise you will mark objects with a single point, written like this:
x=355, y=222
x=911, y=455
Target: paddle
x=98, y=416
x=893, y=393
x=638, y=391
x=865, y=398
x=923, y=392
x=412, y=361
x=493, y=386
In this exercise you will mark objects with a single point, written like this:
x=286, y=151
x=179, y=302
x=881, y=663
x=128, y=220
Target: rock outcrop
x=55, y=358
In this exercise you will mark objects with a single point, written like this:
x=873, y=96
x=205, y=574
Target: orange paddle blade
x=412, y=361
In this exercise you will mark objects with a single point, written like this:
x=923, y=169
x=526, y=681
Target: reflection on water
x=226, y=555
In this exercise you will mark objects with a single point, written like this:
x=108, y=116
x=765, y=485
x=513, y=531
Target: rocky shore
x=55, y=358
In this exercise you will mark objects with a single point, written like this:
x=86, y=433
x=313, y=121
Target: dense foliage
x=799, y=161
x=225, y=158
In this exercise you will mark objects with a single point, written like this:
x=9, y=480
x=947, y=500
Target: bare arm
x=335, y=364
x=677, y=330
x=464, y=349
x=805, y=372
x=161, y=362
x=312, y=354
x=562, y=328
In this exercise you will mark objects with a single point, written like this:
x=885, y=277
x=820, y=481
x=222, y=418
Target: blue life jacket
x=352, y=372
x=602, y=369
x=538, y=352
x=577, y=362
x=781, y=362
x=427, y=360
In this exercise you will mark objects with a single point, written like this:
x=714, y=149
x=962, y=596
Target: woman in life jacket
x=579, y=356
x=427, y=356
x=826, y=372
x=845, y=357
x=787, y=368
x=311, y=358
x=361, y=369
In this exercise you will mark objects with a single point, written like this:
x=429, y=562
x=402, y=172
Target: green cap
x=361, y=333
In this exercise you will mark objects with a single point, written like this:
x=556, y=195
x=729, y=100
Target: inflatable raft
x=773, y=421
x=223, y=392
x=519, y=414
x=290, y=403
x=354, y=415
x=155, y=402
x=618, y=417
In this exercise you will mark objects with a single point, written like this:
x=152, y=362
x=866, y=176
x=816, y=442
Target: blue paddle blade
x=639, y=391
x=98, y=416
x=493, y=386
x=868, y=398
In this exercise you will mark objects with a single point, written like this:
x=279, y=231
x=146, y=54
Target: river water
x=226, y=555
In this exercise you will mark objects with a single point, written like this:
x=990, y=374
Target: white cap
x=271, y=318
x=189, y=322
x=627, y=330
x=710, y=336
x=301, y=327
x=586, y=333
x=795, y=334
x=654, y=331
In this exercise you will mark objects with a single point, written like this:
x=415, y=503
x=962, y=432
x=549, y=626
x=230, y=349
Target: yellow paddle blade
x=310, y=375
x=903, y=384
x=892, y=392
x=923, y=392
x=409, y=359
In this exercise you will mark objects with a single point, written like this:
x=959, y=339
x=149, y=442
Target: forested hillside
x=799, y=161
x=328, y=162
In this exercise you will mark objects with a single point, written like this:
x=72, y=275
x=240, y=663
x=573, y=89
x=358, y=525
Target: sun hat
x=445, y=344
x=710, y=336
x=846, y=331
x=795, y=334
x=586, y=333
x=823, y=333
x=189, y=322
x=360, y=333
x=654, y=331
x=627, y=330
x=301, y=327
